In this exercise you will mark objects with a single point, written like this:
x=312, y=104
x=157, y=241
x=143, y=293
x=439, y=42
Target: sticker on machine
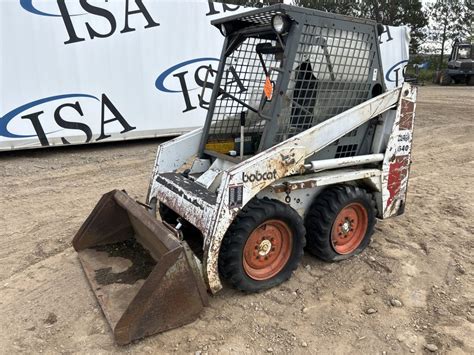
x=403, y=143
x=374, y=75
x=236, y=196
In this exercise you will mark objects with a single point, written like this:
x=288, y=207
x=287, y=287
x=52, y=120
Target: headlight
x=280, y=23
x=224, y=30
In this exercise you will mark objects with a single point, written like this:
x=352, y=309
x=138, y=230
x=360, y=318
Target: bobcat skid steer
x=303, y=146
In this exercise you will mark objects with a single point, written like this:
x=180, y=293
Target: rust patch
x=398, y=172
x=406, y=115
x=309, y=184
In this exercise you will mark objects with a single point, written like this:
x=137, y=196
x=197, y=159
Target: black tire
x=470, y=80
x=240, y=235
x=445, y=79
x=324, y=212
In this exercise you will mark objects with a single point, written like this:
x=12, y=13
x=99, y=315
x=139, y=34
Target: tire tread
x=252, y=215
x=322, y=213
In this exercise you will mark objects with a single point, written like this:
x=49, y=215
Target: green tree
x=448, y=20
x=343, y=7
x=398, y=13
x=387, y=12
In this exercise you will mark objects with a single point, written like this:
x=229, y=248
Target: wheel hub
x=267, y=250
x=349, y=228
x=346, y=227
x=264, y=247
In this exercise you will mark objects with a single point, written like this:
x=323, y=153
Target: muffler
x=146, y=280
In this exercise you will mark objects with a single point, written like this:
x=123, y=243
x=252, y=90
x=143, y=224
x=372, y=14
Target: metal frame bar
x=281, y=86
x=212, y=102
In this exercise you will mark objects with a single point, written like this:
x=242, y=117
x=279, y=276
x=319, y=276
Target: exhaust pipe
x=146, y=280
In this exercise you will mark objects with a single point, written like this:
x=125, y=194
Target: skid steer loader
x=303, y=146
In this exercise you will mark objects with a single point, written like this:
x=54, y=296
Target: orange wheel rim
x=267, y=250
x=349, y=228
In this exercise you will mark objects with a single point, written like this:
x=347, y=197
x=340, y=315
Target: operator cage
x=285, y=69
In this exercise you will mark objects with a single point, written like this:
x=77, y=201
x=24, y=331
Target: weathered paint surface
x=172, y=155
x=397, y=161
x=323, y=178
x=300, y=192
x=398, y=174
x=190, y=200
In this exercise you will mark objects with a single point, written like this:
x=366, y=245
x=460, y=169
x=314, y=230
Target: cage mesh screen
x=263, y=18
x=243, y=78
x=331, y=74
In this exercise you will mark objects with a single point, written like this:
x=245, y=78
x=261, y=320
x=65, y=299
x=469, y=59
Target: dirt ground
x=424, y=259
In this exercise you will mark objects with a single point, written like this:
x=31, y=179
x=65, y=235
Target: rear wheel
x=445, y=79
x=470, y=80
x=340, y=223
x=263, y=246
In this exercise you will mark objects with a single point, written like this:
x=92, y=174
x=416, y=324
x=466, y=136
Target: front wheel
x=340, y=223
x=263, y=246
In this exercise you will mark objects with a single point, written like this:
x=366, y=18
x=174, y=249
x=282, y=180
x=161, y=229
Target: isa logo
x=120, y=17
x=80, y=27
x=70, y=114
x=189, y=78
x=396, y=73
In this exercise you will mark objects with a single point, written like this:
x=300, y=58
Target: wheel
x=470, y=80
x=340, y=223
x=263, y=246
x=445, y=79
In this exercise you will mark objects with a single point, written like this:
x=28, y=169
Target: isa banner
x=91, y=71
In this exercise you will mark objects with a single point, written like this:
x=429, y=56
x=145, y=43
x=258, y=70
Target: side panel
x=173, y=154
x=396, y=165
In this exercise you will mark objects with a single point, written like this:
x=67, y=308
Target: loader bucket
x=145, y=279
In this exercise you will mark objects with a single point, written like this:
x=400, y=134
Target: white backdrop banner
x=87, y=71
